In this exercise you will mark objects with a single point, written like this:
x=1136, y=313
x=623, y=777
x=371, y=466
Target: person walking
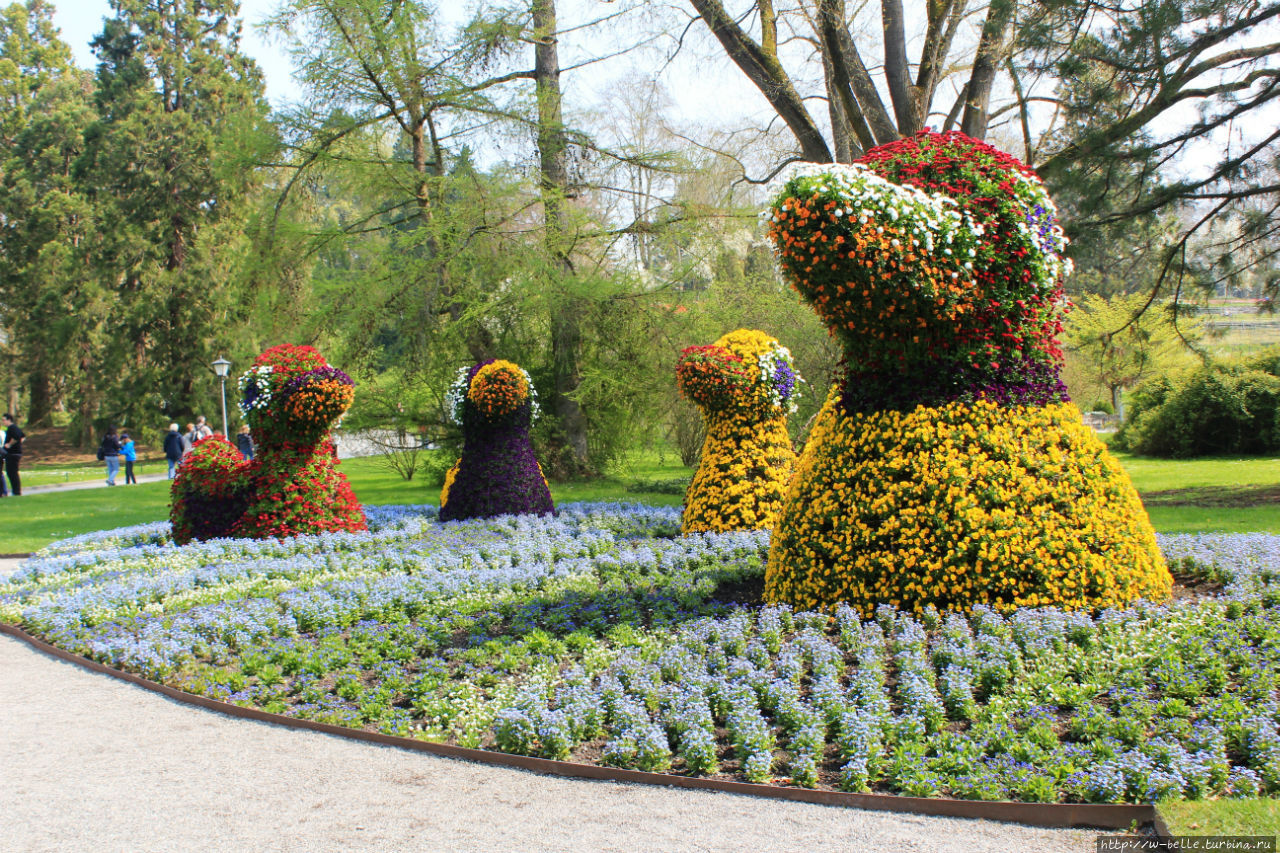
x=173, y=449
x=129, y=454
x=109, y=452
x=4, y=490
x=203, y=430
x=13, y=437
x=244, y=442
x=188, y=440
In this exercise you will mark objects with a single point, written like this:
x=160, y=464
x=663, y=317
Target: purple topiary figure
x=498, y=473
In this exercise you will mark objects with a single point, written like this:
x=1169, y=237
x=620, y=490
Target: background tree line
x=447, y=190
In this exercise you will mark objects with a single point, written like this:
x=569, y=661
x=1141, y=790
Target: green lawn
x=1158, y=475
x=75, y=472
x=1222, y=817
x=35, y=520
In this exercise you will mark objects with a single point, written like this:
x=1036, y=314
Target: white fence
x=373, y=442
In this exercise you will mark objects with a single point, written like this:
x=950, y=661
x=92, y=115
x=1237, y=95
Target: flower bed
x=604, y=635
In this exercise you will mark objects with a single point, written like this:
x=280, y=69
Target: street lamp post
x=222, y=367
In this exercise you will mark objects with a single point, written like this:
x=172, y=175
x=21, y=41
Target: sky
x=81, y=21
x=704, y=87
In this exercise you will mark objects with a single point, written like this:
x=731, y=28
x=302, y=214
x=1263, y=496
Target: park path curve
x=91, y=763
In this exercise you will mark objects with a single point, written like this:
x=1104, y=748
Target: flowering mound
x=291, y=397
x=745, y=384
x=937, y=263
x=498, y=473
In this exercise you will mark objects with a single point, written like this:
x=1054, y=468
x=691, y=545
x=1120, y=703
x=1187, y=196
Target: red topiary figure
x=292, y=485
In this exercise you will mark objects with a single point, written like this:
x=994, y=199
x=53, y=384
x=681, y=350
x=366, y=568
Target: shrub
x=1229, y=407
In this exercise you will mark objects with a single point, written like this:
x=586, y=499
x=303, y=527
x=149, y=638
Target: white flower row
x=259, y=375
x=932, y=220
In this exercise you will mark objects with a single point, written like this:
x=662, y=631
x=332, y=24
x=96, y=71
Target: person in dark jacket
x=173, y=449
x=13, y=452
x=110, y=453
x=244, y=442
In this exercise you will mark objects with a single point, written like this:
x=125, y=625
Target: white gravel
x=91, y=763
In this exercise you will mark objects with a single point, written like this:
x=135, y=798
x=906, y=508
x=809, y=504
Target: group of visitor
x=117, y=446
x=178, y=444
x=11, y=438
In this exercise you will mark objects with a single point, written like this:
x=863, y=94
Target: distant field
x=1238, y=326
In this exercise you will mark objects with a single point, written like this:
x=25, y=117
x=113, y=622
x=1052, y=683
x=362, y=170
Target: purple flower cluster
x=784, y=378
x=497, y=475
x=302, y=380
x=1043, y=226
x=1016, y=382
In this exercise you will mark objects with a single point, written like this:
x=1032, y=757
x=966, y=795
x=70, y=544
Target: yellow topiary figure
x=948, y=467
x=746, y=385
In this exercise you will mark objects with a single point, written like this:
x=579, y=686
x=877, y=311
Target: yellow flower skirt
x=745, y=470
x=959, y=505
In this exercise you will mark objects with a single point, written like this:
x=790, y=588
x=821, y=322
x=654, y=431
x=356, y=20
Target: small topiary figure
x=948, y=468
x=498, y=473
x=291, y=398
x=745, y=384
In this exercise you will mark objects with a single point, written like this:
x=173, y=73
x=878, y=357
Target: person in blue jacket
x=130, y=455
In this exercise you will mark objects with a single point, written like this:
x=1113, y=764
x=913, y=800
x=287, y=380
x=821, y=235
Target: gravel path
x=91, y=763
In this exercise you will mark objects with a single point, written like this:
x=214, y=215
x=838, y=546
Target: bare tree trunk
x=41, y=390
x=566, y=334
x=990, y=46
x=841, y=128
x=870, y=120
x=896, y=69
x=767, y=74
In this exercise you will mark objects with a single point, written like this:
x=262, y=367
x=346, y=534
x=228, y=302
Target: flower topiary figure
x=498, y=473
x=948, y=467
x=745, y=384
x=291, y=398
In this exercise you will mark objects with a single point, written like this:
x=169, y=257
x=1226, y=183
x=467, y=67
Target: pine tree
x=171, y=163
x=48, y=304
